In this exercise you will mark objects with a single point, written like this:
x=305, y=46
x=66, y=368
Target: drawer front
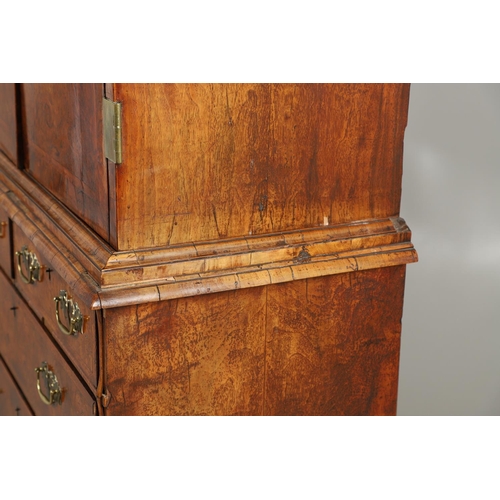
x=11, y=401
x=4, y=242
x=81, y=348
x=25, y=347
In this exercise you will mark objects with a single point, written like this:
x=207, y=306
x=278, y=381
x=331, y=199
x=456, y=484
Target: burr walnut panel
x=246, y=256
x=198, y=356
x=332, y=344
x=322, y=346
x=210, y=161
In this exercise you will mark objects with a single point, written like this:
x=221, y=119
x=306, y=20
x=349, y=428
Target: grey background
x=450, y=350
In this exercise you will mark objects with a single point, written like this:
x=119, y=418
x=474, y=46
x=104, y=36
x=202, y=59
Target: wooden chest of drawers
x=196, y=249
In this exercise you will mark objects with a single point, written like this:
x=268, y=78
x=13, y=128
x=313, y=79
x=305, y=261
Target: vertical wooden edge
x=266, y=336
x=402, y=111
x=22, y=143
x=11, y=249
x=398, y=362
x=119, y=237
x=406, y=102
x=109, y=91
x=404, y=106
x=105, y=396
x=100, y=361
x=112, y=229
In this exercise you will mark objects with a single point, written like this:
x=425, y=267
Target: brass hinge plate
x=112, y=125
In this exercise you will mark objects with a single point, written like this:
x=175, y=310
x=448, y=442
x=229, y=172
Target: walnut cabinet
x=201, y=249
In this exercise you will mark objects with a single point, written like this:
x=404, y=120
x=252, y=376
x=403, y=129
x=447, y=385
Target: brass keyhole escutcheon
x=50, y=384
x=68, y=315
x=27, y=260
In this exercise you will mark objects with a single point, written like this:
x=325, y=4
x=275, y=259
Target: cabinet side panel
x=209, y=161
x=322, y=346
x=198, y=356
x=8, y=128
x=333, y=344
x=65, y=147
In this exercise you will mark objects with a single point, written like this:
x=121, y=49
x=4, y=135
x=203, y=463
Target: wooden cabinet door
x=8, y=128
x=64, y=147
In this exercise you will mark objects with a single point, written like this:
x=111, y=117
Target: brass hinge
x=112, y=125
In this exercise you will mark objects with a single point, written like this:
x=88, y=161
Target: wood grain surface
x=64, y=150
x=81, y=349
x=247, y=256
x=5, y=250
x=213, y=161
x=333, y=344
x=25, y=345
x=8, y=123
x=12, y=402
x=323, y=346
x=197, y=356
x=148, y=275
x=195, y=261
x=31, y=206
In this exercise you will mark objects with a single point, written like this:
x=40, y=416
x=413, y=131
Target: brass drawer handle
x=51, y=384
x=28, y=260
x=71, y=314
x=3, y=232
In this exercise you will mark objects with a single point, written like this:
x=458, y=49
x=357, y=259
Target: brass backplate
x=112, y=125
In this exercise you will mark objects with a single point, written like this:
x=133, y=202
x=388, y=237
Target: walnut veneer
x=246, y=257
